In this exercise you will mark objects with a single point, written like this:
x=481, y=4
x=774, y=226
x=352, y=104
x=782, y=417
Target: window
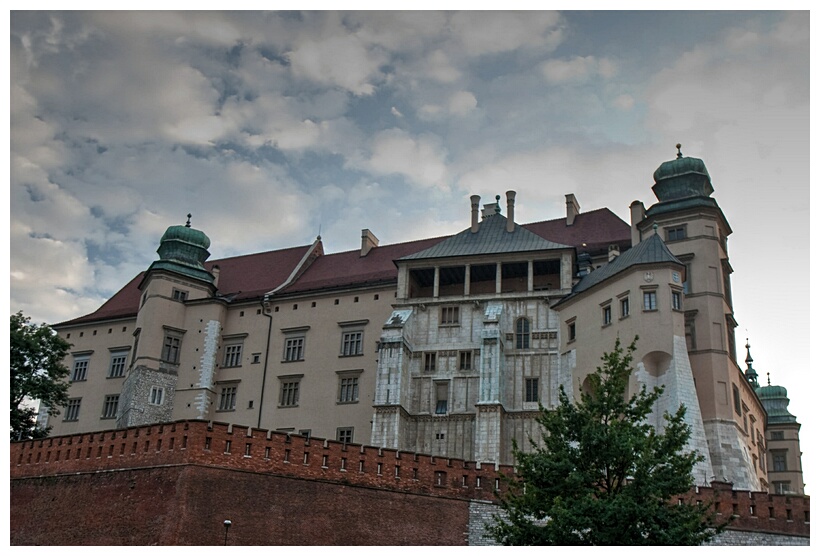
x=179, y=295
x=344, y=434
x=295, y=349
x=227, y=398
x=687, y=282
x=156, y=396
x=777, y=435
x=677, y=305
x=117, y=367
x=80, y=369
x=72, y=409
x=289, y=395
x=352, y=343
x=736, y=399
x=607, y=315
x=676, y=234
x=522, y=333
x=170, y=349
x=465, y=360
x=233, y=355
x=256, y=358
x=571, y=331
x=624, y=307
x=782, y=487
x=650, y=301
x=442, y=394
x=531, y=390
x=349, y=389
x=779, y=460
x=430, y=362
x=449, y=316
x=110, y=406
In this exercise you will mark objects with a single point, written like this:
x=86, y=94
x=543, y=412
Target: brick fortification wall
x=175, y=484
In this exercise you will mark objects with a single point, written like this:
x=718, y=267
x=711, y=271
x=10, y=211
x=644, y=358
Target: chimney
x=573, y=208
x=369, y=241
x=215, y=272
x=637, y=214
x=488, y=210
x=614, y=252
x=510, y=211
x=474, y=200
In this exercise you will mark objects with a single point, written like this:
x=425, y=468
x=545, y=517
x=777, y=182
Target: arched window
x=522, y=333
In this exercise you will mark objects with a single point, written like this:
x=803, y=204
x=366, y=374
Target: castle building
x=445, y=345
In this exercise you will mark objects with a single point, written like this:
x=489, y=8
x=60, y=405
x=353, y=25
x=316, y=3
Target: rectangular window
x=110, y=406
x=624, y=307
x=607, y=315
x=782, y=487
x=465, y=360
x=179, y=295
x=80, y=370
x=449, y=316
x=227, y=398
x=352, y=343
x=289, y=396
x=72, y=409
x=531, y=390
x=736, y=399
x=650, y=301
x=779, y=461
x=117, y=367
x=571, y=331
x=233, y=355
x=430, y=362
x=295, y=349
x=777, y=435
x=677, y=303
x=349, y=389
x=156, y=396
x=442, y=395
x=344, y=434
x=170, y=349
x=676, y=234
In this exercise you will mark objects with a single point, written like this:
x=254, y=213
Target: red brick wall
x=176, y=483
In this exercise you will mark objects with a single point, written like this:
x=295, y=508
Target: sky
x=271, y=128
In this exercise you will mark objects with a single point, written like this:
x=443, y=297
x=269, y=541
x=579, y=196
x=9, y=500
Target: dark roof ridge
x=235, y=257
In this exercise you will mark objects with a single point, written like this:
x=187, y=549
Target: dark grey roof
x=650, y=250
x=492, y=237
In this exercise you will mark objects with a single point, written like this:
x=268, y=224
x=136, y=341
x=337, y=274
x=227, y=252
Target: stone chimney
x=573, y=208
x=637, y=214
x=584, y=264
x=510, y=211
x=490, y=208
x=474, y=200
x=614, y=252
x=215, y=272
x=369, y=241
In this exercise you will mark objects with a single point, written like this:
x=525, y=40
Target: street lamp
x=227, y=524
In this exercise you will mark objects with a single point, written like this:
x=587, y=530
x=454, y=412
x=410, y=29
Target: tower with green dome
x=694, y=228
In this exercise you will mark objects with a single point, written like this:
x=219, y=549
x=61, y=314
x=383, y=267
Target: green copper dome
x=184, y=250
x=775, y=400
x=682, y=178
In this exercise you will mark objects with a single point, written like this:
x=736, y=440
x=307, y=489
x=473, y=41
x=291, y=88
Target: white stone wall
x=731, y=460
x=207, y=368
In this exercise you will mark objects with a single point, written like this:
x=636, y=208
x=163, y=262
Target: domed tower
x=783, y=441
x=695, y=230
x=173, y=300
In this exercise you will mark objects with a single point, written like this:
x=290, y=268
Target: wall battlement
x=263, y=452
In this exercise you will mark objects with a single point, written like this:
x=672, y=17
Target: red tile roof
x=251, y=276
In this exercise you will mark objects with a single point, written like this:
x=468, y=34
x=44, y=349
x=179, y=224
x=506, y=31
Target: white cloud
x=439, y=67
x=623, y=102
x=420, y=159
x=341, y=61
x=491, y=32
x=462, y=102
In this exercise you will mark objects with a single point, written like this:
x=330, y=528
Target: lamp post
x=227, y=524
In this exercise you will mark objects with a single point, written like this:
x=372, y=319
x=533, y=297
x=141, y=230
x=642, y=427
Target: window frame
x=227, y=397
x=348, y=386
x=294, y=349
x=233, y=355
x=677, y=300
x=650, y=301
x=531, y=391
x=290, y=387
x=606, y=315
x=449, y=316
x=171, y=347
x=110, y=401
x=342, y=434
x=115, y=365
x=352, y=343
x=465, y=360
x=523, y=333
x=156, y=395
x=79, y=371
x=430, y=362
x=72, y=409
x=442, y=397
x=675, y=233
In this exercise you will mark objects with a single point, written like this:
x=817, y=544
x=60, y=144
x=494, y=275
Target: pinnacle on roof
x=750, y=373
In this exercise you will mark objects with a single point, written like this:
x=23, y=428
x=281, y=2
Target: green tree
x=37, y=373
x=604, y=475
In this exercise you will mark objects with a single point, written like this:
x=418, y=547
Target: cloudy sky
x=269, y=127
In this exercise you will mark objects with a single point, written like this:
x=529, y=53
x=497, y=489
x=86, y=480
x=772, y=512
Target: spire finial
x=768, y=379
x=188, y=223
x=680, y=154
x=497, y=205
